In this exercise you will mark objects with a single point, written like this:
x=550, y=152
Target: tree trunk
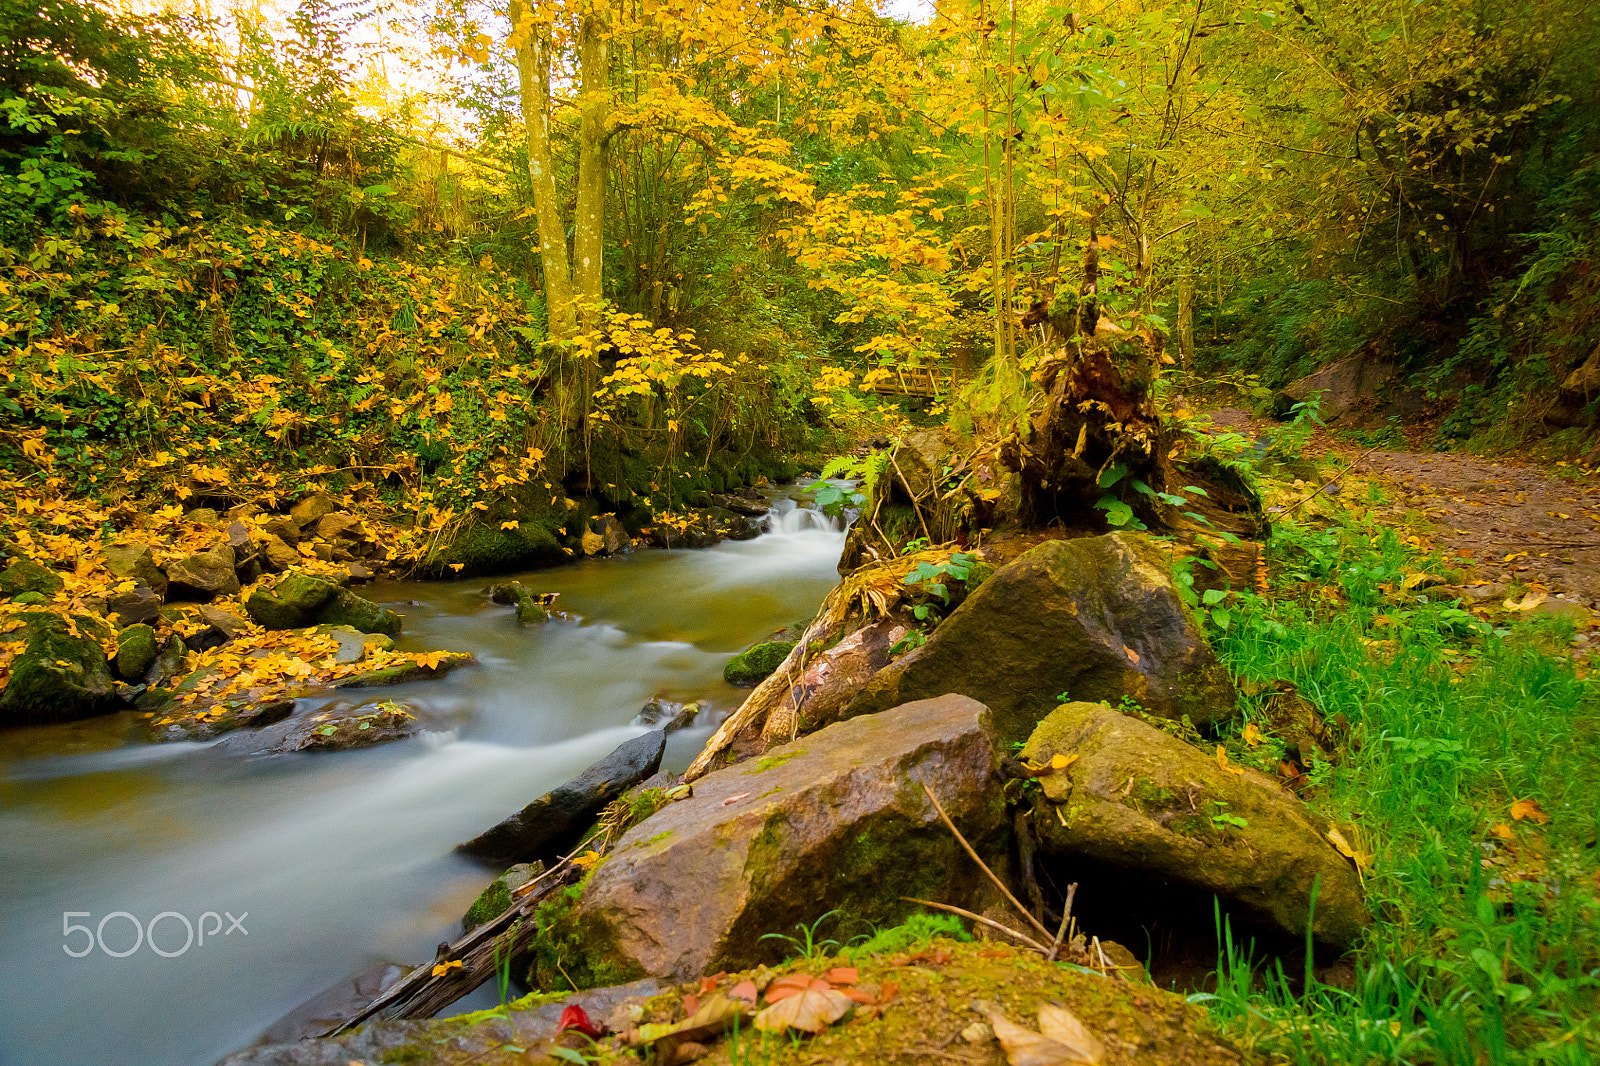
x=532, y=43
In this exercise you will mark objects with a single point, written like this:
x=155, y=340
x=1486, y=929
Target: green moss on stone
x=753, y=665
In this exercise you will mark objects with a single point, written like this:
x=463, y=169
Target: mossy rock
x=136, y=651
x=493, y=901
x=486, y=546
x=25, y=575
x=292, y=603
x=753, y=665
x=62, y=673
x=358, y=612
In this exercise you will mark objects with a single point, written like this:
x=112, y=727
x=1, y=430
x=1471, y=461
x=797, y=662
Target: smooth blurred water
x=344, y=860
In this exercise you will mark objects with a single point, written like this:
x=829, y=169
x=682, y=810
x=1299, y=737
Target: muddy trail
x=1520, y=524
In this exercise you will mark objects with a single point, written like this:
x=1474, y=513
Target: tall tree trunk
x=533, y=81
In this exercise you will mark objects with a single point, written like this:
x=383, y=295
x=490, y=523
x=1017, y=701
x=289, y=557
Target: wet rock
x=543, y=827
x=359, y=727
x=139, y=604
x=493, y=901
x=252, y=710
x=756, y=507
x=668, y=716
x=440, y=663
x=1140, y=800
x=169, y=661
x=1097, y=618
x=333, y=1005
x=359, y=573
x=25, y=576
x=136, y=652
x=204, y=516
x=62, y=673
x=354, y=645
x=919, y=462
x=203, y=576
x=310, y=510
x=532, y=607
x=756, y=663
x=836, y=820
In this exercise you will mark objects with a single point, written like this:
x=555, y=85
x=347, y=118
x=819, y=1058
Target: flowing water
x=329, y=863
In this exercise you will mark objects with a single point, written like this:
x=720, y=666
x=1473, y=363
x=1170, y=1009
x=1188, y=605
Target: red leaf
x=788, y=985
x=843, y=975
x=745, y=990
x=859, y=996
x=709, y=984
x=575, y=1018
x=691, y=1003
x=889, y=990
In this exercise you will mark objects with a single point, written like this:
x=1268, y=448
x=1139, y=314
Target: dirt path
x=1518, y=521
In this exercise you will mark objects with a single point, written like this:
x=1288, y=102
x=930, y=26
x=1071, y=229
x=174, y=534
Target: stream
x=314, y=867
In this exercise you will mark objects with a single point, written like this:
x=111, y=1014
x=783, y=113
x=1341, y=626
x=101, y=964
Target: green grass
x=1485, y=950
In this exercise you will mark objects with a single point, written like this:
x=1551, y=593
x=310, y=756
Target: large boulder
x=1098, y=618
x=1339, y=386
x=540, y=829
x=62, y=673
x=836, y=820
x=203, y=576
x=1139, y=800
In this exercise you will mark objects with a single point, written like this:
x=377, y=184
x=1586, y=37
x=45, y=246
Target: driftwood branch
x=767, y=695
x=482, y=953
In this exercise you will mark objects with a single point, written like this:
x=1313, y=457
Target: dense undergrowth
x=1486, y=947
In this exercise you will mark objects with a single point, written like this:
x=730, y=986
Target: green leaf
x=1118, y=513
x=1213, y=597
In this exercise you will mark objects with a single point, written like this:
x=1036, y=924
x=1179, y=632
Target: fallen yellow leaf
x=1527, y=809
x=1252, y=735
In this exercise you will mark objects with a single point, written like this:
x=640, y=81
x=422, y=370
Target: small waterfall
x=791, y=517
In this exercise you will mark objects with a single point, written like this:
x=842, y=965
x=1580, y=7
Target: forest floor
x=1526, y=526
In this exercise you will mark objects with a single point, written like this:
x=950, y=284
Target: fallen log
x=470, y=961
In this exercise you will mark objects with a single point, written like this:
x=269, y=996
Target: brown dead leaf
x=791, y=984
x=1530, y=810
x=810, y=1011
x=1062, y=1026
x=1024, y=1047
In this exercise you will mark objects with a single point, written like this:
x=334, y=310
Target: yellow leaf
x=510, y=525
x=1061, y=762
x=1222, y=762
x=1252, y=735
x=587, y=859
x=442, y=968
x=1530, y=810
x=1343, y=847
x=1503, y=831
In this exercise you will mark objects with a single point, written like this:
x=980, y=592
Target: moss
x=491, y=903
x=768, y=762
x=913, y=934
x=751, y=666
x=565, y=956
x=658, y=838
x=406, y=1053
